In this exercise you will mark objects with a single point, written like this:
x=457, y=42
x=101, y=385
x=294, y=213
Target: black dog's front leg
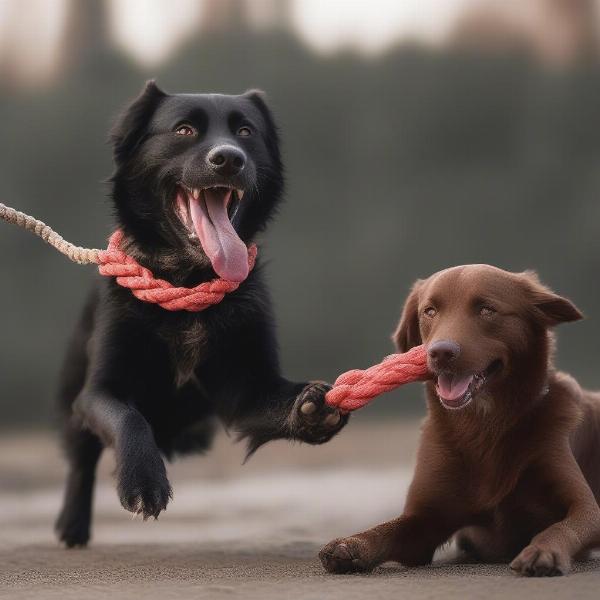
x=252, y=397
x=294, y=411
x=142, y=482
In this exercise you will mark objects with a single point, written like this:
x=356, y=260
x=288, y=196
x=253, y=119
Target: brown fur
x=513, y=474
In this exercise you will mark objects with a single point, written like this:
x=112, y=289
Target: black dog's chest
x=187, y=348
x=170, y=396
x=181, y=419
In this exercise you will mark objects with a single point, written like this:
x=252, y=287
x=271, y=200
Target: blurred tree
x=557, y=32
x=224, y=16
x=397, y=166
x=87, y=34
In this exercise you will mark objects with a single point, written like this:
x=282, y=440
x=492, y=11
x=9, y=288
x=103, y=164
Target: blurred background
x=417, y=135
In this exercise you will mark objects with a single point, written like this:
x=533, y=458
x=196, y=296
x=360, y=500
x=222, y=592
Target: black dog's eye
x=185, y=130
x=430, y=312
x=244, y=131
x=487, y=311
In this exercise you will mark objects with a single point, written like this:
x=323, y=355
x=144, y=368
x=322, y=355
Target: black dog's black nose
x=226, y=160
x=443, y=351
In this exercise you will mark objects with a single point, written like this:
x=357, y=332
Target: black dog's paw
x=73, y=529
x=143, y=487
x=312, y=420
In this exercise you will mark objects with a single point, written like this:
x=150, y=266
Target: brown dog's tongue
x=227, y=252
x=450, y=387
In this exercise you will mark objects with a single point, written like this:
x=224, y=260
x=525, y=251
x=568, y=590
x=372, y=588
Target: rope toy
x=354, y=389
x=113, y=262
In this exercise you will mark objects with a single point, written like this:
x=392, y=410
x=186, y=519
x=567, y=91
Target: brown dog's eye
x=185, y=130
x=487, y=311
x=430, y=311
x=244, y=131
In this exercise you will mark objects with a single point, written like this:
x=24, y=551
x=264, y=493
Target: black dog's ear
x=407, y=334
x=128, y=130
x=259, y=99
x=546, y=306
x=257, y=95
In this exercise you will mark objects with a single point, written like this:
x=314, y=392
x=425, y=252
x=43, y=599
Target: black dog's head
x=197, y=176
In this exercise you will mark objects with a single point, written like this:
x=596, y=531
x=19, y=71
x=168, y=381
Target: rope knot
x=113, y=262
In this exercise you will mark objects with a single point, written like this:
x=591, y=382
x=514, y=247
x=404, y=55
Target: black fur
x=151, y=383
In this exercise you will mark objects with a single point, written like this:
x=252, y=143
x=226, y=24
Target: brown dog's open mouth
x=208, y=214
x=456, y=391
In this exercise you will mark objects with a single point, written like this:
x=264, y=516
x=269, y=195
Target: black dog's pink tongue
x=226, y=251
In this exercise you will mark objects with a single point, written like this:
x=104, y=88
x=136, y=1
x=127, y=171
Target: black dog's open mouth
x=456, y=391
x=208, y=214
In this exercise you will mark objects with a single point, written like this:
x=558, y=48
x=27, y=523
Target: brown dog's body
x=509, y=452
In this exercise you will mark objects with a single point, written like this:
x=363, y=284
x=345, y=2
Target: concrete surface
x=239, y=532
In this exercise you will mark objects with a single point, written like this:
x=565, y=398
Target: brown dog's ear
x=547, y=306
x=407, y=334
x=128, y=130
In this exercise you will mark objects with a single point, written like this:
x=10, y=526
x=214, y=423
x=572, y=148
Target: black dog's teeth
x=189, y=222
x=196, y=193
x=234, y=204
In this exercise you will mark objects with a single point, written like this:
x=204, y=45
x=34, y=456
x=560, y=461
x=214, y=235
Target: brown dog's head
x=481, y=325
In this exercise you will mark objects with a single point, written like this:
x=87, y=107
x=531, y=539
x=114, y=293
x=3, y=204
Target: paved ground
x=239, y=532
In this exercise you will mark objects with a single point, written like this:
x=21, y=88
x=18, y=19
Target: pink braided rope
x=113, y=262
x=355, y=389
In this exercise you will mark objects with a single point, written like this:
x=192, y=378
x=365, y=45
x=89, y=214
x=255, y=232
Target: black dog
x=197, y=177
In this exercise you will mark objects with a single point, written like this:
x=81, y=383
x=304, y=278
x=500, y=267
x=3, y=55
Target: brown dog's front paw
x=347, y=555
x=312, y=420
x=536, y=561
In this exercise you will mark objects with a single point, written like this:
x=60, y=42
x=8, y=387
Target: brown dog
x=510, y=451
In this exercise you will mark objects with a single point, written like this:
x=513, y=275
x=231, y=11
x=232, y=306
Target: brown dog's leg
x=432, y=514
x=435, y=509
x=410, y=540
x=552, y=550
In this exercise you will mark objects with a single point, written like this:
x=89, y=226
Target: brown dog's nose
x=443, y=352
